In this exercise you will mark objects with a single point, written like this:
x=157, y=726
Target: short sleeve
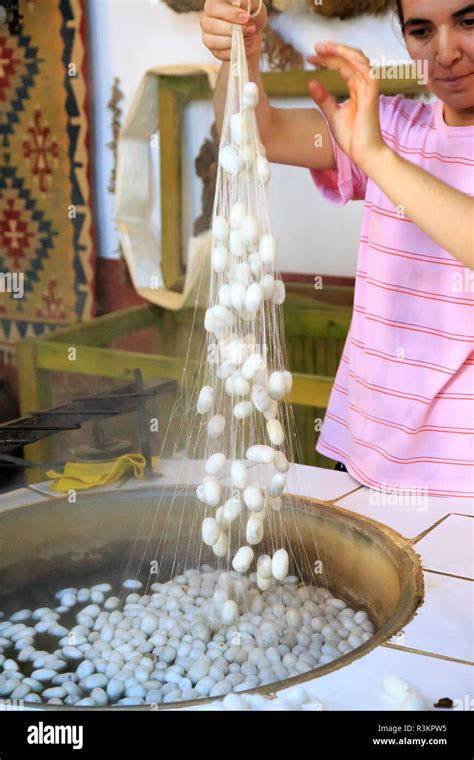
x=345, y=183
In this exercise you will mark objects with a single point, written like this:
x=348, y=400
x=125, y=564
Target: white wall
x=130, y=36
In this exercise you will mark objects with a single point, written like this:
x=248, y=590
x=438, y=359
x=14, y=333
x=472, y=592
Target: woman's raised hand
x=355, y=124
x=216, y=25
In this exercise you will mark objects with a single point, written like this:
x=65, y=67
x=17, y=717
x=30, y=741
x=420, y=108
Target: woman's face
x=442, y=33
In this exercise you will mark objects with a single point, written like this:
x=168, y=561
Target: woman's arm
x=441, y=211
x=444, y=213
x=295, y=136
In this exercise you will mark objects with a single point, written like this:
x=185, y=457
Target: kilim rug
x=46, y=243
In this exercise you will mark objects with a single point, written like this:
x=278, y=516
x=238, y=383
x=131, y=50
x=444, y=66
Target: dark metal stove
x=99, y=407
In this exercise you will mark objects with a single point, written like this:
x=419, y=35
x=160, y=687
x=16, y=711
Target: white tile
x=444, y=624
x=456, y=506
x=410, y=515
x=319, y=483
x=359, y=686
x=449, y=547
x=20, y=497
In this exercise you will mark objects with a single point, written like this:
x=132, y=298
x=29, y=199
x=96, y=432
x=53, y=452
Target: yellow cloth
x=82, y=475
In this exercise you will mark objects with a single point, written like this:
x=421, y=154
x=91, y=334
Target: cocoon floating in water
x=264, y=566
x=243, y=559
x=229, y=160
x=260, y=453
x=281, y=462
x=277, y=484
x=254, y=530
x=237, y=212
x=216, y=426
x=263, y=168
x=236, y=127
x=220, y=229
x=238, y=475
x=220, y=258
x=266, y=283
x=225, y=295
x=214, y=464
x=277, y=385
x=212, y=492
x=250, y=95
x=275, y=432
x=253, y=498
x=210, y=531
x=205, y=400
x=260, y=398
x=252, y=365
x=263, y=583
x=280, y=564
x=229, y=612
x=253, y=298
x=221, y=546
x=249, y=229
x=237, y=247
x=238, y=295
x=268, y=249
x=242, y=410
x=279, y=292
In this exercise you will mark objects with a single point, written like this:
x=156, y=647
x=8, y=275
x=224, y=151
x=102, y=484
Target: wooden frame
x=307, y=316
x=175, y=92
x=305, y=319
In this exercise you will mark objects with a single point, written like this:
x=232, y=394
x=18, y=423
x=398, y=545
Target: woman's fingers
x=226, y=11
x=216, y=42
x=223, y=55
x=338, y=47
x=212, y=25
x=353, y=56
x=345, y=68
x=353, y=53
x=218, y=26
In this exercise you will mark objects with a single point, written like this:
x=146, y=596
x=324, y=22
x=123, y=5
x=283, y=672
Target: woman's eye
x=468, y=22
x=419, y=33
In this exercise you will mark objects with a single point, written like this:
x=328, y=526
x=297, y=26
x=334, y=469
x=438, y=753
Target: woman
x=401, y=412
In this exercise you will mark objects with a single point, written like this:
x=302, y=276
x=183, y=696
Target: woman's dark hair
x=400, y=11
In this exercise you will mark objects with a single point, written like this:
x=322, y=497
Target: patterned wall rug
x=46, y=241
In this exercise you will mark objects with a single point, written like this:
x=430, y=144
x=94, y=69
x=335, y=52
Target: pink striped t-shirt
x=401, y=411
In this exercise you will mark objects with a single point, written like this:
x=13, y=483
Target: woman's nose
x=448, y=47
